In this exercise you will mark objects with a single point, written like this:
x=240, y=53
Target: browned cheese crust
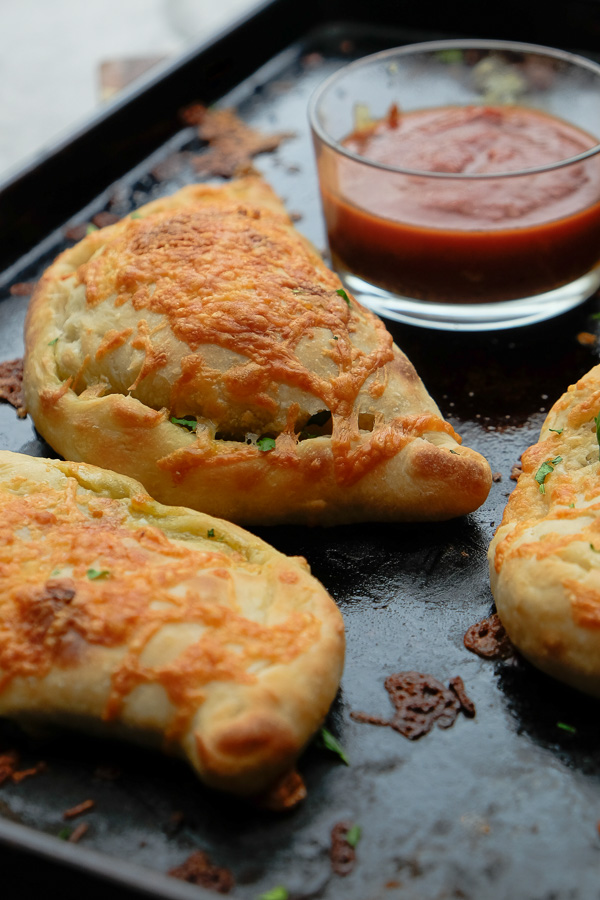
x=158, y=623
x=209, y=305
x=545, y=556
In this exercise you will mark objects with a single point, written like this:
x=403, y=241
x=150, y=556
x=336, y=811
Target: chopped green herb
x=327, y=740
x=452, y=55
x=564, y=727
x=343, y=295
x=556, y=430
x=91, y=228
x=597, y=421
x=335, y=337
x=594, y=548
x=187, y=422
x=353, y=836
x=595, y=315
x=52, y=343
x=297, y=291
x=456, y=453
x=95, y=574
x=135, y=215
x=265, y=443
x=64, y=834
x=544, y=470
x=276, y=893
x=54, y=573
x=571, y=505
x=210, y=532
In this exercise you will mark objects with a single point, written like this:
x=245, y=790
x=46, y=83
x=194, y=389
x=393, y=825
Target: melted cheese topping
x=226, y=314
x=80, y=572
x=558, y=521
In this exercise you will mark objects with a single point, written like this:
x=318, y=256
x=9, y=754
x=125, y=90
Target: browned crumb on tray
x=489, y=639
x=467, y=707
x=78, y=833
x=496, y=477
x=586, y=338
x=516, y=471
x=421, y=701
x=286, y=793
x=23, y=288
x=198, y=869
x=102, y=219
x=231, y=143
x=341, y=853
x=11, y=385
x=9, y=768
x=79, y=810
x=77, y=232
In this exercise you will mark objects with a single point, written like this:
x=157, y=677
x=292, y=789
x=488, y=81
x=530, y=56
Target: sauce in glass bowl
x=504, y=234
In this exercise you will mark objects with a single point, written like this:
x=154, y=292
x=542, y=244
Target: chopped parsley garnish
x=64, y=834
x=544, y=470
x=210, y=532
x=564, y=727
x=451, y=55
x=187, y=422
x=297, y=291
x=265, y=443
x=342, y=293
x=456, y=453
x=91, y=228
x=594, y=548
x=327, y=740
x=52, y=343
x=556, y=430
x=335, y=337
x=353, y=836
x=595, y=315
x=95, y=574
x=597, y=421
x=135, y=215
x=276, y=893
x=571, y=505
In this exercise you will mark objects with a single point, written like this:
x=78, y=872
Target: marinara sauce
x=464, y=240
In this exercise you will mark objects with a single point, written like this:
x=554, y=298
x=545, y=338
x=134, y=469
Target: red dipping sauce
x=464, y=240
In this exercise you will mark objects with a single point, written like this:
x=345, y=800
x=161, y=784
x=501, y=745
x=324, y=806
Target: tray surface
x=505, y=804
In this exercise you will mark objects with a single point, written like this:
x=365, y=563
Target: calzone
x=202, y=346
x=545, y=556
x=131, y=618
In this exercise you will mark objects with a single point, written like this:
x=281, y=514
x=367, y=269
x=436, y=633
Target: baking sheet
x=504, y=805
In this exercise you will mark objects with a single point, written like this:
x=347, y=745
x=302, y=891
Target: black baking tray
x=504, y=805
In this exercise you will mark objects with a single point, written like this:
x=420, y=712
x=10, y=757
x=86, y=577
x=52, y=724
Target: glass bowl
x=460, y=181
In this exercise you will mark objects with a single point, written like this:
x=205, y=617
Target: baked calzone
x=202, y=346
x=120, y=614
x=545, y=556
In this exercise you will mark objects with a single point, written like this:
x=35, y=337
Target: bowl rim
x=450, y=44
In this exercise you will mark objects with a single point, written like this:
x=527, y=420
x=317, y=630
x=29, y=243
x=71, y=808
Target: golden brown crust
x=161, y=619
x=210, y=305
x=545, y=556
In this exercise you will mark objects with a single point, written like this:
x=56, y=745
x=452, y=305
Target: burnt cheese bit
x=489, y=639
x=342, y=852
x=421, y=701
x=11, y=385
x=198, y=869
